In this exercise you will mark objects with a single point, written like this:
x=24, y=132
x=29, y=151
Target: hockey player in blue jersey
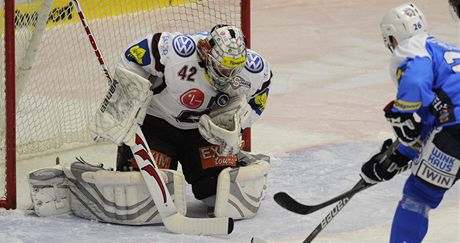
x=425, y=117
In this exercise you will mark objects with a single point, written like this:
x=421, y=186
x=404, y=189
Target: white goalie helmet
x=402, y=23
x=224, y=54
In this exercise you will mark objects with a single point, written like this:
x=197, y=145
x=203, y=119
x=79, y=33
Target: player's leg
x=162, y=141
x=229, y=185
x=434, y=172
x=201, y=164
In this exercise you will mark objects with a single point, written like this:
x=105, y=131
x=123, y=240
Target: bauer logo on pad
x=184, y=45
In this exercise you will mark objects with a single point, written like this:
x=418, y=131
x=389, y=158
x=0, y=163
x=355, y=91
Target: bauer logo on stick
x=109, y=95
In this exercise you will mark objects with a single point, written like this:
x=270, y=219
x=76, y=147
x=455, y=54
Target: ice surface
x=323, y=119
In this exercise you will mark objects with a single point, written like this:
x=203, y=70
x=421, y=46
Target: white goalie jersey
x=182, y=92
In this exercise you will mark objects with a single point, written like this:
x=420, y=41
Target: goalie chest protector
x=186, y=93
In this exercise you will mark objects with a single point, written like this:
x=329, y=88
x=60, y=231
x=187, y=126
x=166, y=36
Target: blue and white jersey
x=182, y=92
x=427, y=73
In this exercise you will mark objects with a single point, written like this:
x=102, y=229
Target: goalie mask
x=402, y=23
x=224, y=54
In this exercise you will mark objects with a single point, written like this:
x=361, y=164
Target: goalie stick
x=172, y=220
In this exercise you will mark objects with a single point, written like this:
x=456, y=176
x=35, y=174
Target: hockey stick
x=342, y=202
x=330, y=216
x=286, y=201
x=361, y=185
x=173, y=220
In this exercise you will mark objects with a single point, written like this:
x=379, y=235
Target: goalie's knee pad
x=240, y=190
x=49, y=191
x=119, y=197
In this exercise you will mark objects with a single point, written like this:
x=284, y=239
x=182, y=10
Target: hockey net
x=59, y=82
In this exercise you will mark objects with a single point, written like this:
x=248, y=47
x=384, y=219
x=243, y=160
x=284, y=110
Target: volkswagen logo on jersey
x=184, y=45
x=254, y=63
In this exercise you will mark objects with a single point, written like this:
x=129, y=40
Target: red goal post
x=51, y=82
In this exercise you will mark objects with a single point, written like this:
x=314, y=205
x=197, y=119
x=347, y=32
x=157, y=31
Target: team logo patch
x=184, y=45
x=192, y=98
x=254, y=63
x=139, y=53
x=409, y=12
x=210, y=158
x=258, y=103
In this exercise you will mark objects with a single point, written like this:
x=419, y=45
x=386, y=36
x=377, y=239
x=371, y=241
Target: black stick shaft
x=328, y=218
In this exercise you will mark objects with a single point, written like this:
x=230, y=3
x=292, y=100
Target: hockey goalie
x=188, y=96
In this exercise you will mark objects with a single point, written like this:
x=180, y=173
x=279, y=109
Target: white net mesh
x=59, y=80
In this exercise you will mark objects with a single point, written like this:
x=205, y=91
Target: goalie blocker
x=95, y=193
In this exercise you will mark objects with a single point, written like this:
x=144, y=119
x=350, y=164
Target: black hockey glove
x=382, y=167
x=404, y=125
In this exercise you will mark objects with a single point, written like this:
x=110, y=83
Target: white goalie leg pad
x=240, y=190
x=49, y=191
x=119, y=197
x=125, y=105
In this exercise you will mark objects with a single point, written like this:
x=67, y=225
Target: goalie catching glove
x=223, y=125
x=383, y=167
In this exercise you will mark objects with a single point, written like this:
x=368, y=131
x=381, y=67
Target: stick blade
x=284, y=200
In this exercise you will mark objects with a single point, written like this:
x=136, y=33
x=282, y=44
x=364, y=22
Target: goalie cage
x=46, y=102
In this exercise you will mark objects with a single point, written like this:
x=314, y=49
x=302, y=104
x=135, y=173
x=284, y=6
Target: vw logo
x=254, y=63
x=184, y=45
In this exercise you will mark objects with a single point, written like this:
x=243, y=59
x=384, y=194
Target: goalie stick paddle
x=172, y=219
